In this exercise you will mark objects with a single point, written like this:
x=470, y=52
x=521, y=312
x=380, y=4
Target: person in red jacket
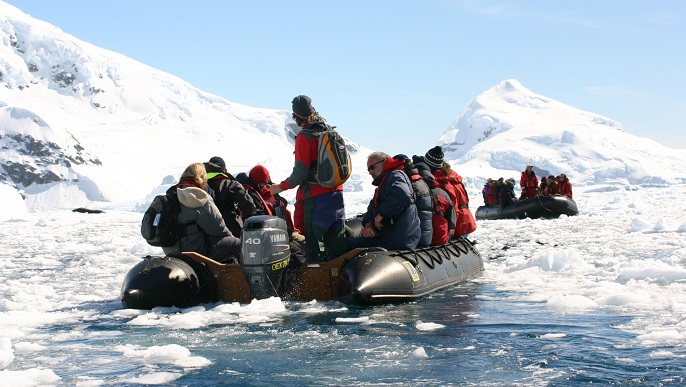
x=451, y=182
x=444, y=217
x=319, y=211
x=488, y=193
x=564, y=187
x=528, y=182
x=254, y=183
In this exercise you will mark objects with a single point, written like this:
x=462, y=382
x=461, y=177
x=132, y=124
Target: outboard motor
x=265, y=254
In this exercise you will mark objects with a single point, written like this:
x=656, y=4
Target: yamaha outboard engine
x=265, y=254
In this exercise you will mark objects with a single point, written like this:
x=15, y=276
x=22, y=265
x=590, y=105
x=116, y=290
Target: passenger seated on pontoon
x=488, y=193
x=564, y=187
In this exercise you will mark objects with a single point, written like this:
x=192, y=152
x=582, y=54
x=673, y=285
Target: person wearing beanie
x=528, y=182
x=218, y=161
x=233, y=201
x=444, y=217
x=449, y=181
x=319, y=211
x=302, y=106
x=434, y=157
x=255, y=183
x=259, y=175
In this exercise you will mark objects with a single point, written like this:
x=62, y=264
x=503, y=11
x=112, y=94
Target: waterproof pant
x=222, y=249
x=324, y=226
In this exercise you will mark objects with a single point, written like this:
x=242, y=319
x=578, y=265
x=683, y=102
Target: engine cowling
x=265, y=254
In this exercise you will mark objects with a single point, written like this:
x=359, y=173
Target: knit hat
x=434, y=157
x=259, y=174
x=218, y=161
x=401, y=157
x=302, y=106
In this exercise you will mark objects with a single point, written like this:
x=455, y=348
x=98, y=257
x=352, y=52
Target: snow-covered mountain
x=509, y=126
x=80, y=124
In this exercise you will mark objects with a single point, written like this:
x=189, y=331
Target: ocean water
x=597, y=298
x=466, y=335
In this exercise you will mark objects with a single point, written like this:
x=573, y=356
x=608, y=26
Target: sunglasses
x=369, y=168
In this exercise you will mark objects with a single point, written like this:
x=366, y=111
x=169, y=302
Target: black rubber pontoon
x=361, y=276
x=537, y=207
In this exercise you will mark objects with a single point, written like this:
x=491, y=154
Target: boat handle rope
x=437, y=257
x=430, y=262
x=457, y=247
x=541, y=203
x=416, y=257
x=436, y=254
x=446, y=253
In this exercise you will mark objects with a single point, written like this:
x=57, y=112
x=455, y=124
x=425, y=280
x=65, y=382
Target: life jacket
x=444, y=217
x=529, y=184
x=261, y=207
x=452, y=185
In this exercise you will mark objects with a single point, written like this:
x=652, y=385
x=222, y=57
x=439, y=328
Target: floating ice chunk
x=29, y=377
x=570, y=303
x=6, y=353
x=664, y=355
x=155, y=378
x=553, y=261
x=638, y=225
x=193, y=362
x=422, y=326
x=666, y=225
x=663, y=274
x=344, y=320
x=158, y=353
x=552, y=336
x=419, y=352
x=660, y=337
x=620, y=299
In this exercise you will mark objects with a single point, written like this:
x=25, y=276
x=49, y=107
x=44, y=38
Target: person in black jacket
x=507, y=194
x=231, y=198
x=422, y=199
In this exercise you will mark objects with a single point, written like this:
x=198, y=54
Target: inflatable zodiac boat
x=534, y=208
x=361, y=276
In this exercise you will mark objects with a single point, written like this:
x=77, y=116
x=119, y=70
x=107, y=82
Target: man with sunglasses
x=391, y=220
x=319, y=211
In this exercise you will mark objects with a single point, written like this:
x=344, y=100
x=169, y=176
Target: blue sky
x=394, y=74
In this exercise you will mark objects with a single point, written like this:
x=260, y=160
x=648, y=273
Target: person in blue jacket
x=391, y=220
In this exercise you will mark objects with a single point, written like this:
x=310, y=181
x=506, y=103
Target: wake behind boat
x=534, y=208
x=361, y=276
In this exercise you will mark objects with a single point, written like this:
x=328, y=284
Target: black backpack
x=160, y=226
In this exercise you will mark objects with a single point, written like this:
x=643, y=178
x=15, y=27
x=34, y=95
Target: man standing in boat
x=391, y=220
x=319, y=211
x=528, y=182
